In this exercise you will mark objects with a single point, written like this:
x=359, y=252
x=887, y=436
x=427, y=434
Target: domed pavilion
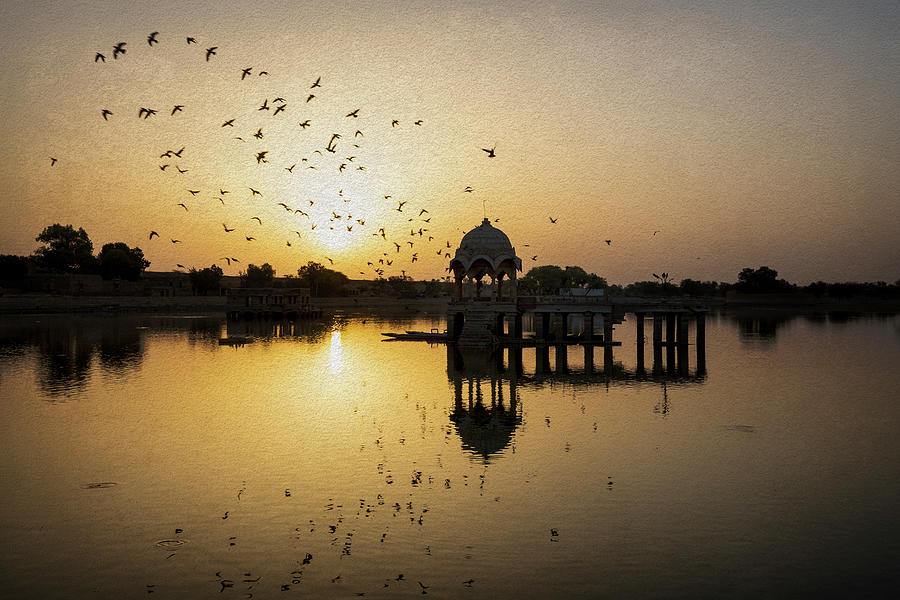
x=486, y=251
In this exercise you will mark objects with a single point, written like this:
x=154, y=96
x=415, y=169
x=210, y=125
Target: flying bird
x=261, y=156
x=194, y=192
x=257, y=219
x=52, y=161
x=353, y=113
x=290, y=169
x=250, y=238
x=490, y=151
x=552, y=220
x=175, y=241
x=310, y=97
x=304, y=124
x=254, y=192
x=419, y=122
x=227, y=229
x=118, y=49
x=394, y=123
x=191, y=40
x=279, y=109
x=608, y=242
x=105, y=114
x=99, y=57
x=182, y=205
x=211, y=52
x=152, y=233
x=329, y=260
x=228, y=123
x=265, y=105
x=245, y=72
x=151, y=39
x=316, y=83
x=177, y=108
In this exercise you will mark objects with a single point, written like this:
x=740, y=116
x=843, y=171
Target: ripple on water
x=98, y=485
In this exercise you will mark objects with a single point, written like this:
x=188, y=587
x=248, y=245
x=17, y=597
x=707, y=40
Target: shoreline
x=32, y=304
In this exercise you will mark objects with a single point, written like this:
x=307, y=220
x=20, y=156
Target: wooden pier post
x=562, y=358
x=588, y=358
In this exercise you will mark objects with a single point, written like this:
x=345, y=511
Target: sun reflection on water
x=337, y=363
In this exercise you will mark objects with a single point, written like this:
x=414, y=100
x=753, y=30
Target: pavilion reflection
x=487, y=407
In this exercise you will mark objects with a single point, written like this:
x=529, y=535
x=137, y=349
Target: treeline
x=549, y=279
x=64, y=249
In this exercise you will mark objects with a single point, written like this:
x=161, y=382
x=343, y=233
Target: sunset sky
x=744, y=134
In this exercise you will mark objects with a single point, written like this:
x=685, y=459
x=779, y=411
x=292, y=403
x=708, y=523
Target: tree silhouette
x=118, y=260
x=65, y=249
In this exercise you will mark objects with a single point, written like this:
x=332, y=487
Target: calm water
x=139, y=456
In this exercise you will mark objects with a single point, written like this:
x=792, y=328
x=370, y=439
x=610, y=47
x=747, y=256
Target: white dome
x=488, y=243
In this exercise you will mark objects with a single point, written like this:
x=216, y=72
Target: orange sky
x=746, y=136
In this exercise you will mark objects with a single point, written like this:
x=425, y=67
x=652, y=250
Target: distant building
x=268, y=302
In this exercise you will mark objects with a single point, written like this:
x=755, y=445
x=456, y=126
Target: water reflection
x=66, y=347
x=312, y=330
x=487, y=406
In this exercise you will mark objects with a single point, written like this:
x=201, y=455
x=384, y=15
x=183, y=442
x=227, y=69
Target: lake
x=139, y=456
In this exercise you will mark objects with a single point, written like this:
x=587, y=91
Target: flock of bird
x=341, y=152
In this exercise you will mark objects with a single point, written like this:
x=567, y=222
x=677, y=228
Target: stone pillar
x=545, y=326
x=517, y=326
x=682, y=341
x=459, y=285
x=500, y=324
x=541, y=360
x=588, y=327
x=500, y=285
x=639, y=321
x=607, y=345
x=588, y=358
x=562, y=358
x=670, y=342
x=657, y=342
x=700, y=336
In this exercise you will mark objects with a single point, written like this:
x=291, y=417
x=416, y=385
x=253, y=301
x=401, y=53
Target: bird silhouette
x=257, y=219
x=261, y=156
x=490, y=152
x=211, y=52
x=99, y=57
x=146, y=112
x=118, y=49
x=552, y=220
x=304, y=124
x=194, y=192
x=182, y=205
x=316, y=83
x=259, y=134
x=245, y=72
x=177, y=108
x=191, y=40
x=290, y=169
x=353, y=113
x=52, y=161
x=265, y=105
x=152, y=233
x=310, y=97
x=228, y=123
x=329, y=260
x=250, y=238
x=608, y=242
x=227, y=229
x=151, y=39
x=419, y=122
x=279, y=109
x=394, y=123
x=254, y=192
x=174, y=241
x=163, y=167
